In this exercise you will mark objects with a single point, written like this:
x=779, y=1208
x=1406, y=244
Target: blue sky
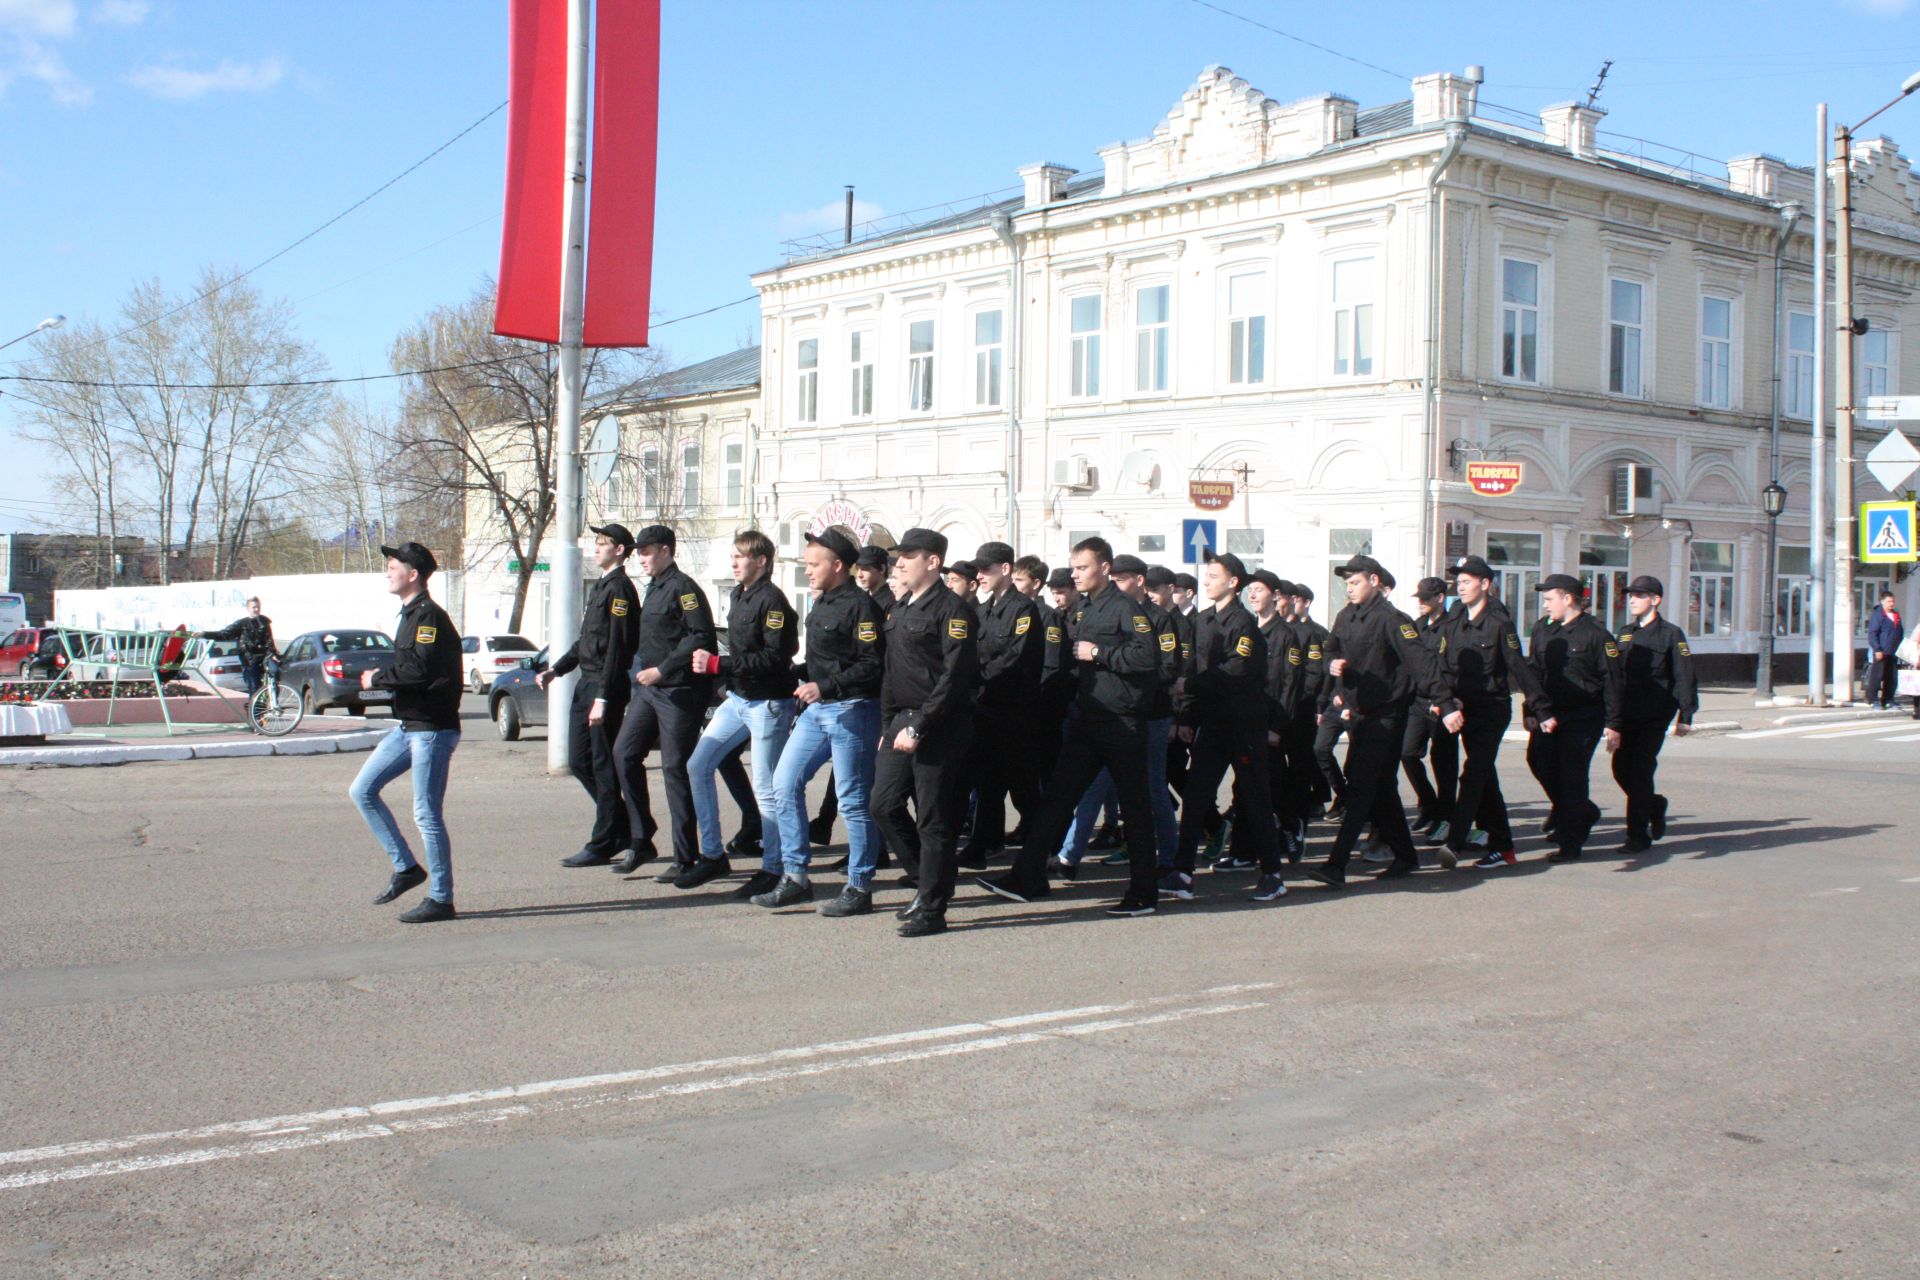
x=147, y=138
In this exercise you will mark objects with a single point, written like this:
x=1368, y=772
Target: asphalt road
x=219, y=1060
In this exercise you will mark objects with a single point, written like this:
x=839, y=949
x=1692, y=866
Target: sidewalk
x=127, y=744
x=1730, y=708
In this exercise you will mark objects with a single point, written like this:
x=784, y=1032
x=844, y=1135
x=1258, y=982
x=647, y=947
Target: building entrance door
x=1607, y=597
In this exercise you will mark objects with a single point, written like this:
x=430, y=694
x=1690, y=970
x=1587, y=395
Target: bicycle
x=274, y=709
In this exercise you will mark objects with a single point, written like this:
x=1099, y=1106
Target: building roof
x=734, y=371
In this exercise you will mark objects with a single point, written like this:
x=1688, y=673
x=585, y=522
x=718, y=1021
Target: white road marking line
x=494, y=1115
x=1821, y=893
x=280, y=1124
x=1911, y=880
x=1818, y=731
x=1906, y=737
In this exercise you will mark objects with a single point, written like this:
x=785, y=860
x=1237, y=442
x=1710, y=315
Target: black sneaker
x=741, y=847
x=1657, y=824
x=1176, y=884
x=1132, y=906
x=402, y=882
x=638, y=856
x=1636, y=844
x=820, y=832
x=1232, y=862
x=702, y=871
x=1011, y=889
x=788, y=893
x=427, y=911
x=1396, y=869
x=1564, y=855
x=1058, y=866
x=587, y=858
x=1272, y=885
x=922, y=924
x=673, y=872
x=1336, y=811
x=1327, y=876
x=851, y=902
x=757, y=883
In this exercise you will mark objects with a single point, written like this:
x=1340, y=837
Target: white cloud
x=828, y=217
x=120, y=13
x=49, y=18
x=179, y=84
x=26, y=59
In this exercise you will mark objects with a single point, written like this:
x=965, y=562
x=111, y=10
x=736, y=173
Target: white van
x=13, y=611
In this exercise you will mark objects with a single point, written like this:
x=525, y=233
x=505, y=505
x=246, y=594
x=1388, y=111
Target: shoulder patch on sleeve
x=775, y=619
x=1186, y=649
x=689, y=602
x=1626, y=637
x=1023, y=624
x=1168, y=642
x=618, y=608
x=426, y=635
x=1141, y=624
x=865, y=632
x=1244, y=646
x=1054, y=635
x=1406, y=629
x=1684, y=651
x=1513, y=641
x=1293, y=655
x=1443, y=644
x=956, y=628
x=1613, y=650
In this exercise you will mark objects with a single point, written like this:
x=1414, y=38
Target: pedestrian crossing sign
x=1886, y=532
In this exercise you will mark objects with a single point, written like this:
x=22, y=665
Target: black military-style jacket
x=1658, y=667
x=1183, y=629
x=1119, y=678
x=1227, y=683
x=884, y=599
x=1056, y=659
x=1579, y=664
x=845, y=645
x=426, y=676
x=1483, y=654
x=1013, y=650
x=675, y=620
x=1158, y=704
x=932, y=659
x=609, y=630
x=1387, y=666
x=1315, y=653
x=761, y=642
x=1286, y=663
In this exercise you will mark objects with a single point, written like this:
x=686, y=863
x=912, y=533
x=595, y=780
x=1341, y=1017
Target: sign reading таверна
x=1210, y=495
x=1495, y=479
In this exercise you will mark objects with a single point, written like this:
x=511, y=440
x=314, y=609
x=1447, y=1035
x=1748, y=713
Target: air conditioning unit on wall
x=1073, y=473
x=1634, y=492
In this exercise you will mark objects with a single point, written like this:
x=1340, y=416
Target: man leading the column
x=1579, y=666
x=1658, y=670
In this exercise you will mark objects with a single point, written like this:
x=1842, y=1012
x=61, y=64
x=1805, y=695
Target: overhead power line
x=1288, y=35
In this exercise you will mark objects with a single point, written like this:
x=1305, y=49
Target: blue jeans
x=767, y=722
x=1085, y=815
x=849, y=733
x=1166, y=828
x=426, y=752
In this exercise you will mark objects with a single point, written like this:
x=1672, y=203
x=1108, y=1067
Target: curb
x=78, y=757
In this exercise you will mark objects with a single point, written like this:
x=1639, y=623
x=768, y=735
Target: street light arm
x=1907, y=87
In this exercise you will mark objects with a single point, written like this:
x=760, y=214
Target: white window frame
x=649, y=481
x=1796, y=390
x=1354, y=323
x=1513, y=316
x=1712, y=595
x=690, y=477
x=1717, y=372
x=733, y=455
x=1152, y=341
x=806, y=379
x=1634, y=331
x=1876, y=376
x=1789, y=597
x=611, y=493
x=919, y=390
x=1518, y=578
x=1248, y=354
x=860, y=374
x=1084, y=348
x=989, y=359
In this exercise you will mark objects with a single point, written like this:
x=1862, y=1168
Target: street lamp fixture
x=1773, y=500
x=51, y=322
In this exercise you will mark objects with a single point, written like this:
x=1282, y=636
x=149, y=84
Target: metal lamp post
x=1773, y=501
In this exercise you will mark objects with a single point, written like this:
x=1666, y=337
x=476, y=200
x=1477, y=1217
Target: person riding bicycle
x=254, y=633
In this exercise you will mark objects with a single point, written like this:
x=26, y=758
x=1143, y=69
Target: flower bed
x=27, y=692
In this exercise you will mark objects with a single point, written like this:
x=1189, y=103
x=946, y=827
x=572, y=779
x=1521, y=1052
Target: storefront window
x=1604, y=572
x=1516, y=558
x=1790, y=587
x=1710, y=590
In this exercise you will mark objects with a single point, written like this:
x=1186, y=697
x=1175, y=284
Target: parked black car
x=324, y=668
x=516, y=700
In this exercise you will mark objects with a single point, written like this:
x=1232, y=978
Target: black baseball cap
x=616, y=533
x=1430, y=589
x=1285, y=588
x=1129, y=564
x=872, y=557
x=994, y=553
x=1561, y=582
x=1186, y=582
x=1386, y=579
x=1644, y=585
x=412, y=553
x=1266, y=578
x=922, y=540
x=655, y=535
x=1360, y=564
x=1060, y=579
x=1235, y=565
x=1302, y=590
x=1158, y=575
x=838, y=544
x=1475, y=565
x=962, y=567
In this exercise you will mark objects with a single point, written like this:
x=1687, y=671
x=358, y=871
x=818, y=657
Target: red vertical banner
x=626, y=143
x=528, y=302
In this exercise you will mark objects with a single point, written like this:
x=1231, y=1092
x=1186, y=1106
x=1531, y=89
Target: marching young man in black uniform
x=1305, y=782
x=1658, y=669
x=609, y=629
x=1012, y=644
x=1426, y=740
x=1163, y=585
x=926, y=727
x=872, y=570
x=670, y=698
x=1380, y=669
x=1578, y=663
x=1116, y=660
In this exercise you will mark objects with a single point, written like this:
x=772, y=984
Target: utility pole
x=1817, y=508
x=1246, y=497
x=1843, y=421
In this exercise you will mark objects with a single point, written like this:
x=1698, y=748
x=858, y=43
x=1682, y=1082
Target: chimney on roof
x=1756, y=175
x=1044, y=183
x=1443, y=96
x=1575, y=126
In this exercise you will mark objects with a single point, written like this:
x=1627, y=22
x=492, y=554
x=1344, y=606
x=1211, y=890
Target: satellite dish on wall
x=603, y=450
x=1139, y=471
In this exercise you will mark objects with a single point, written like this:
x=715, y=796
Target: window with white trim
x=920, y=366
x=1083, y=322
x=736, y=473
x=1353, y=293
x=1797, y=379
x=1520, y=320
x=1875, y=362
x=1152, y=332
x=690, y=477
x=1247, y=329
x=1710, y=589
x=860, y=374
x=611, y=495
x=1869, y=583
x=989, y=351
x=1515, y=558
x=1792, y=585
x=1626, y=303
x=807, y=381
x=649, y=482
x=1716, y=352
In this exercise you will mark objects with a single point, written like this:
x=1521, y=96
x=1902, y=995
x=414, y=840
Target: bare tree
x=76, y=420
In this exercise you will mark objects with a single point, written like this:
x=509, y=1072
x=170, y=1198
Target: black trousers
x=1882, y=679
x=1303, y=777
x=740, y=787
x=1333, y=783
x=590, y=759
x=1634, y=764
x=669, y=719
x=1562, y=761
x=1480, y=798
x=933, y=777
x=1215, y=748
x=1427, y=740
x=1096, y=741
x=1001, y=763
x=1373, y=790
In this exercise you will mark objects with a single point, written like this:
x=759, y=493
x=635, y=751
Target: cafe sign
x=1494, y=479
x=846, y=515
x=1210, y=495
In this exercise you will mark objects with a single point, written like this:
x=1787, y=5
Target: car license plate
x=376, y=695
